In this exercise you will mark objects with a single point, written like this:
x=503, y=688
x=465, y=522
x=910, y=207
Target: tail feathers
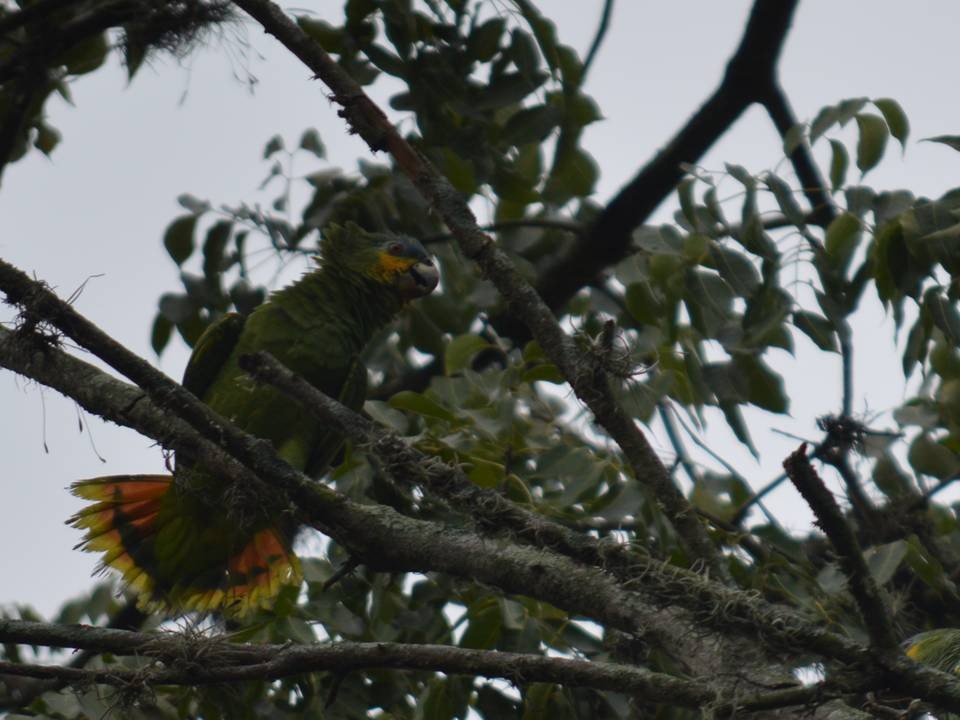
x=129, y=512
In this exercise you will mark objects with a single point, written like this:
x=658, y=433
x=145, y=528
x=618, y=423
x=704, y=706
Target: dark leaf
x=948, y=140
x=839, y=162
x=178, y=238
x=310, y=141
x=817, y=328
x=842, y=238
x=531, y=125
x=896, y=119
x=872, y=142
x=274, y=145
x=160, y=333
x=736, y=268
x=460, y=351
x=213, y=246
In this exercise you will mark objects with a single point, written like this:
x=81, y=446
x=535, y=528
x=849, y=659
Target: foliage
x=701, y=306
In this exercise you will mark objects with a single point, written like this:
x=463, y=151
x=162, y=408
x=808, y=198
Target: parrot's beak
x=421, y=279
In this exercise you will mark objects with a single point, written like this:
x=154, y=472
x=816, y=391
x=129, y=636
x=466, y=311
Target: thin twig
x=598, y=38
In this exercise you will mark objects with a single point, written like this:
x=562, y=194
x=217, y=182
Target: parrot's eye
x=395, y=248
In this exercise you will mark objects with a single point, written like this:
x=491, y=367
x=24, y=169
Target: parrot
x=178, y=540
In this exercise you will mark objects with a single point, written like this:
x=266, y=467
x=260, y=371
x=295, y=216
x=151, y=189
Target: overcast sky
x=95, y=213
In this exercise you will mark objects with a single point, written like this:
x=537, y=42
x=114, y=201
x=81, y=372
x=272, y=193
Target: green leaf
x=274, y=145
x=872, y=141
x=785, y=199
x=927, y=567
x=952, y=141
x=736, y=268
x=848, y=109
x=508, y=89
x=160, y=333
x=842, y=238
x=495, y=705
x=510, y=185
x=884, y=560
x=329, y=37
x=825, y=119
x=86, y=55
x=386, y=60
x=484, y=40
x=642, y=304
x=764, y=386
x=176, y=307
x=891, y=481
x=193, y=204
x=734, y=417
x=543, y=700
x=896, y=119
x=48, y=137
x=311, y=142
x=817, y=328
x=580, y=109
x=687, y=202
x=460, y=351
x=523, y=50
x=421, y=405
x=532, y=125
x=741, y=175
x=944, y=314
x=459, y=171
x=839, y=162
x=217, y=237
x=483, y=626
x=932, y=458
x=545, y=32
x=574, y=176
x=178, y=238
x=544, y=372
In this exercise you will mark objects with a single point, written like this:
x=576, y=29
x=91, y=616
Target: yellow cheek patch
x=388, y=266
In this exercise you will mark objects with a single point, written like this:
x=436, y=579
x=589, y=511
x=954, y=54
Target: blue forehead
x=412, y=248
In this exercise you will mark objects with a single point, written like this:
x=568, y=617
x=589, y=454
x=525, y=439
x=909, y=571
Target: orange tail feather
x=129, y=512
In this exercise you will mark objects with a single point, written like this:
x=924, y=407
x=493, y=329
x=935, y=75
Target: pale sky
x=97, y=210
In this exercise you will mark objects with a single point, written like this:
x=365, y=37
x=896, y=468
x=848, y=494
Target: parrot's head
x=398, y=261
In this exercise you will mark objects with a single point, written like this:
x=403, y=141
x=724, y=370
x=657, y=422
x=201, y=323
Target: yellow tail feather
x=127, y=514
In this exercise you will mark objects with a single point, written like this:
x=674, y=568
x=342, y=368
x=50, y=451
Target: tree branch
x=180, y=660
x=811, y=181
x=830, y=518
x=750, y=74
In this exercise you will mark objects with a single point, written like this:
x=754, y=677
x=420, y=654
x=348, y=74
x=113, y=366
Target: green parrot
x=178, y=540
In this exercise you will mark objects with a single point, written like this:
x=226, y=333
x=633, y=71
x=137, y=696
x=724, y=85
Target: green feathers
x=187, y=542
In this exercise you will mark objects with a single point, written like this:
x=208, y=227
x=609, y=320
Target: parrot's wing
x=352, y=394
x=211, y=353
